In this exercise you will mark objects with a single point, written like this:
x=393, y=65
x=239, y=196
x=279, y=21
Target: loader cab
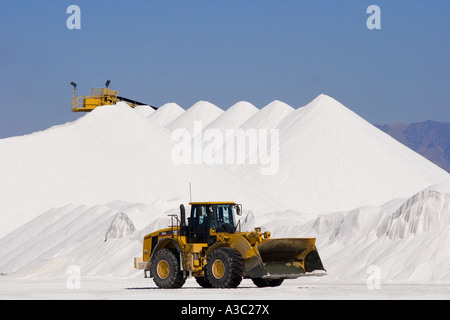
x=208, y=218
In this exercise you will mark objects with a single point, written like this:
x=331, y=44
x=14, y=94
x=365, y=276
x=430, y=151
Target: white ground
x=145, y=289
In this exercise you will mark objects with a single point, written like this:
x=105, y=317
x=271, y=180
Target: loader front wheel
x=225, y=268
x=262, y=283
x=166, y=270
x=203, y=282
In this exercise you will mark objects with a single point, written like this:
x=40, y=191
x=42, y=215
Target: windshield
x=224, y=214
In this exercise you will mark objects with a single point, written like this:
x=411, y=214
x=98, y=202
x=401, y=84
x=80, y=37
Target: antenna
x=190, y=192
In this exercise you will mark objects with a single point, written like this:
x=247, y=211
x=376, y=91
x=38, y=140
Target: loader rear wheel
x=166, y=270
x=262, y=283
x=224, y=268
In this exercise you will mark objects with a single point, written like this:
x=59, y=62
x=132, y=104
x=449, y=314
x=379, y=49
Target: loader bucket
x=289, y=257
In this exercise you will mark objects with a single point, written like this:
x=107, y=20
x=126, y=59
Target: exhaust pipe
x=183, y=228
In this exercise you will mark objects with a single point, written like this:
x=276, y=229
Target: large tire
x=203, y=282
x=224, y=268
x=166, y=270
x=262, y=283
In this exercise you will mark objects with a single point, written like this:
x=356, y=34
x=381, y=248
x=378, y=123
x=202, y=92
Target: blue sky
x=224, y=51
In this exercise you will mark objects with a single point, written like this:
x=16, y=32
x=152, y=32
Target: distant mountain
x=431, y=139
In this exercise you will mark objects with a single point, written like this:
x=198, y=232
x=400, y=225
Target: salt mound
x=323, y=111
x=269, y=116
x=427, y=211
x=70, y=235
x=234, y=117
x=166, y=114
x=120, y=227
x=203, y=111
x=144, y=110
x=111, y=153
x=330, y=159
x=405, y=239
x=442, y=188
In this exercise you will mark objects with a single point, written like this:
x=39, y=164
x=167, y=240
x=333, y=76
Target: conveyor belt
x=135, y=102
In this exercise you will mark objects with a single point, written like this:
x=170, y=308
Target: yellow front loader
x=211, y=248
